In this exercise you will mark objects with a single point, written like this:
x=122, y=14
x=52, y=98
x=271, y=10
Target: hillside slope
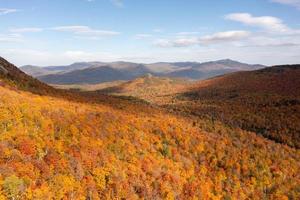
x=266, y=101
x=58, y=148
x=150, y=88
x=11, y=75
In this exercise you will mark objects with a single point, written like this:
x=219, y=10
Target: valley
x=250, y=100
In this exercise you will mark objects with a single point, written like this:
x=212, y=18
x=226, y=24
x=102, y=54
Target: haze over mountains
x=99, y=72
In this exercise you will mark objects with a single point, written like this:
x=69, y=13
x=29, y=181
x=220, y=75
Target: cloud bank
x=294, y=3
x=86, y=31
x=219, y=37
x=266, y=22
x=4, y=11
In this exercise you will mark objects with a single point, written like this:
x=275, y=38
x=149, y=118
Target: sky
x=60, y=32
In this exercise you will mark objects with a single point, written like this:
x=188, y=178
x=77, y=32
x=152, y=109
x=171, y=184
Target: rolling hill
x=99, y=72
x=206, y=70
x=41, y=71
x=265, y=101
x=150, y=88
x=94, y=75
x=36, y=71
x=77, y=147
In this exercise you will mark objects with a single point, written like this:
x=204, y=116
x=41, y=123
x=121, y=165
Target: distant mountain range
x=99, y=72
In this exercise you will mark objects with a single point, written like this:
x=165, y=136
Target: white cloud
x=118, y=3
x=226, y=36
x=187, y=33
x=157, y=30
x=86, y=31
x=294, y=3
x=266, y=22
x=178, y=42
x=275, y=44
x=26, y=30
x=11, y=38
x=76, y=56
x=143, y=36
x=4, y=11
x=267, y=40
x=220, y=37
x=163, y=43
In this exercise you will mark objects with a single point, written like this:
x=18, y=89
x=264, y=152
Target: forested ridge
x=265, y=101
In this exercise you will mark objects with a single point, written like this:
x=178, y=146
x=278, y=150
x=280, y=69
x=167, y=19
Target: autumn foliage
x=59, y=148
x=56, y=149
x=266, y=102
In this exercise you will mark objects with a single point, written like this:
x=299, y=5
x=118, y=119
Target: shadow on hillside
x=265, y=101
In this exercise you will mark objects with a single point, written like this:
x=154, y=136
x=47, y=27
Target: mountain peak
x=227, y=60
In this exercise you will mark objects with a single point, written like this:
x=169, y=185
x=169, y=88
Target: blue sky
x=54, y=32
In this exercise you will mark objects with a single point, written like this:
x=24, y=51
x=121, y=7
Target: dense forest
x=57, y=144
x=265, y=101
